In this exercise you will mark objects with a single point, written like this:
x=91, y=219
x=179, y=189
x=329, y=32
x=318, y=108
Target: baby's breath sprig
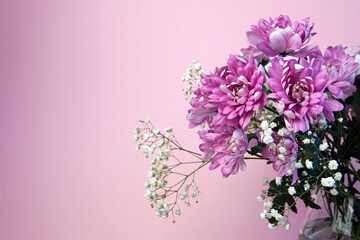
x=170, y=181
x=192, y=78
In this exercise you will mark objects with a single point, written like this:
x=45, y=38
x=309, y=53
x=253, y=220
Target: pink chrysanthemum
x=242, y=94
x=282, y=152
x=280, y=36
x=299, y=92
x=226, y=149
x=341, y=68
x=205, y=104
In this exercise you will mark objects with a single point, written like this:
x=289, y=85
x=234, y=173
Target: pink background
x=76, y=76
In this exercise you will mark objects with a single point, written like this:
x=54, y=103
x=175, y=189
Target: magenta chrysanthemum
x=341, y=68
x=242, y=94
x=280, y=36
x=226, y=149
x=205, y=104
x=299, y=92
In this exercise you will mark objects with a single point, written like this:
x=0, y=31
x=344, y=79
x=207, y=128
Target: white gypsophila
x=340, y=119
x=299, y=165
x=333, y=165
x=306, y=186
x=265, y=181
x=268, y=132
x=287, y=226
x=147, y=185
x=315, y=196
x=183, y=195
x=282, y=149
x=290, y=171
x=271, y=226
x=338, y=176
x=333, y=191
x=272, y=146
x=194, y=193
x=312, y=140
x=268, y=139
x=328, y=182
x=264, y=125
x=278, y=180
x=263, y=214
x=260, y=198
x=306, y=141
x=268, y=204
x=168, y=129
x=281, y=156
x=178, y=212
x=323, y=146
x=281, y=133
x=291, y=190
x=274, y=212
x=273, y=125
x=309, y=164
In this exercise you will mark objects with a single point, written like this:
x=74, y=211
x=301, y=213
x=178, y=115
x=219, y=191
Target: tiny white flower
x=281, y=156
x=272, y=146
x=310, y=133
x=309, y=164
x=278, y=180
x=265, y=181
x=338, y=176
x=151, y=174
x=260, y=198
x=178, y=212
x=183, y=195
x=299, y=165
x=268, y=139
x=315, y=196
x=273, y=125
x=333, y=165
x=340, y=119
x=145, y=137
x=282, y=149
x=268, y=132
x=264, y=125
x=268, y=204
x=304, y=173
x=290, y=171
x=306, y=186
x=313, y=140
x=327, y=182
x=146, y=120
x=168, y=129
x=271, y=226
x=287, y=226
x=291, y=190
x=153, y=182
x=281, y=133
x=194, y=193
x=147, y=184
x=333, y=191
x=306, y=141
x=323, y=146
x=263, y=214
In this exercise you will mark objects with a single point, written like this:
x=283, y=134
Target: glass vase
x=326, y=223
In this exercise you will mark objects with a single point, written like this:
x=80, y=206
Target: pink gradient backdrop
x=76, y=76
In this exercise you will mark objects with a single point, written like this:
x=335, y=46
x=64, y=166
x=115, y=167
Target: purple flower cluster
x=300, y=85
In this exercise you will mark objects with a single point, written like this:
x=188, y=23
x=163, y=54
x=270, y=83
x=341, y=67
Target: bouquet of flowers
x=280, y=100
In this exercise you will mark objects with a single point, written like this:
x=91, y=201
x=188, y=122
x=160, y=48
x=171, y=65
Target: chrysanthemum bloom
x=205, y=104
x=299, y=92
x=280, y=36
x=282, y=152
x=341, y=68
x=242, y=94
x=226, y=149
